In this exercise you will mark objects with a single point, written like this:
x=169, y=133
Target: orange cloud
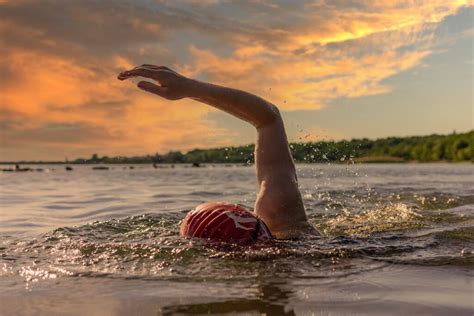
x=54, y=97
x=302, y=82
x=60, y=97
x=349, y=55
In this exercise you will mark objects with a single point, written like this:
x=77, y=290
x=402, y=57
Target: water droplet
x=465, y=252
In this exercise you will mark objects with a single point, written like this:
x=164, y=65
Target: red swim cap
x=225, y=222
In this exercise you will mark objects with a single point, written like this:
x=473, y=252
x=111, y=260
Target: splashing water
x=128, y=230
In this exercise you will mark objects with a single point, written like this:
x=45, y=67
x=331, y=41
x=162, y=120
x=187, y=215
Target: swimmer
x=279, y=209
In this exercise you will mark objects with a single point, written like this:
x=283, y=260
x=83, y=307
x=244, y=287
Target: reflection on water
x=119, y=228
x=271, y=299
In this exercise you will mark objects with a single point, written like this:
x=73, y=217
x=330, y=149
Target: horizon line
x=66, y=160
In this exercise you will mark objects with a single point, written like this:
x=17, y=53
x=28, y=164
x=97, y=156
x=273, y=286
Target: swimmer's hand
x=171, y=85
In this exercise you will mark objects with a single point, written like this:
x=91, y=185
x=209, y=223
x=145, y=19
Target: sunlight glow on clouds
x=59, y=61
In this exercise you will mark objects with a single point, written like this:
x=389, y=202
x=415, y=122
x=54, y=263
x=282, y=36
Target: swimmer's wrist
x=194, y=88
x=200, y=90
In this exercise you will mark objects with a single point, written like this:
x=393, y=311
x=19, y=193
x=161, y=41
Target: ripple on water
x=148, y=247
x=394, y=237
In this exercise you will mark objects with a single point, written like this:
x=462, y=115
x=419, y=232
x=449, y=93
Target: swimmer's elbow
x=275, y=112
x=271, y=117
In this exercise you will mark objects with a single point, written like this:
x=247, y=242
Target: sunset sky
x=337, y=70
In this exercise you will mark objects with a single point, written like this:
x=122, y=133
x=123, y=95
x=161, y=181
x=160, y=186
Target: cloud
x=345, y=52
x=310, y=81
x=59, y=61
x=51, y=97
x=58, y=133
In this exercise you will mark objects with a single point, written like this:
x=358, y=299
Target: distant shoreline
x=361, y=160
x=455, y=147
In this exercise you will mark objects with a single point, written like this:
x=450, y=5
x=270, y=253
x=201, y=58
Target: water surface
x=397, y=239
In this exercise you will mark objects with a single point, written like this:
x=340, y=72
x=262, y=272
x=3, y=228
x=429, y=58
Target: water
x=398, y=239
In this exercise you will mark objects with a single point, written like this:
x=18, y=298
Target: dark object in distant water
x=68, y=168
x=131, y=167
x=196, y=165
x=100, y=168
x=155, y=166
x=18, y=169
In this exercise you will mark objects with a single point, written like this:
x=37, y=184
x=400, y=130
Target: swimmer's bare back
x=279, y=203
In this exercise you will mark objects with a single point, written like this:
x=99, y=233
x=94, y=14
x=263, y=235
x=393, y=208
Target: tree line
x=455, y=147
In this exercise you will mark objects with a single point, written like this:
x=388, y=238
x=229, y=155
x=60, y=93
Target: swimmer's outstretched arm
x=279, y=201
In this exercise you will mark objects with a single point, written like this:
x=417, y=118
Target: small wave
x=206, y=193
x=149, y=246
x=60, y=207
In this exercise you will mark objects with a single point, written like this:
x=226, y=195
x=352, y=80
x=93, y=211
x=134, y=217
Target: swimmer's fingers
x=148, y=71
x=171, y=85
x=140, y=72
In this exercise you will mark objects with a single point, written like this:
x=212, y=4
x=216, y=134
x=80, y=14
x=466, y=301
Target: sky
x=336, y=69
